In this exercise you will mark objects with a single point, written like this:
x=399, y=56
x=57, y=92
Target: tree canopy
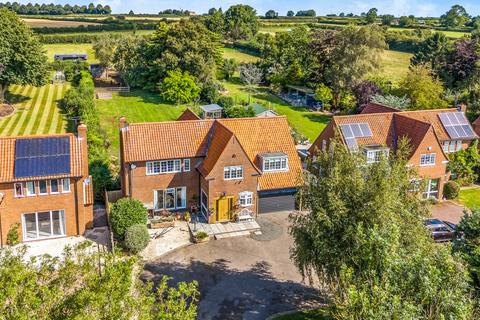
x=455, y=17
x=22, y=58
x=241, y=22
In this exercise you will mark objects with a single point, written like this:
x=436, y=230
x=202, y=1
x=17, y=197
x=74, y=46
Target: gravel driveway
x=243, y=277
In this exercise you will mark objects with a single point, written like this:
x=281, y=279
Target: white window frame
x=451, y=146
x=428, y=159
x=162, y=167
x=40, y=193
x=28, y=190
x=428, y=193
x=58, y=186
x=186, y=165
x=268, y=162
x=63, y=227
x=227, y=173
x=245, y=199
x=175, y=190
x=21, y=188
x=374, y=155
x=63, y=185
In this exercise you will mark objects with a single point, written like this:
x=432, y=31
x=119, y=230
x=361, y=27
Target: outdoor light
x=133, y=166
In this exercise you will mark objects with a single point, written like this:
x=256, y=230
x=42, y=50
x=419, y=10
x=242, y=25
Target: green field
x=470, y=197
x=69, y=48
x=36, y=111
x=229, y=53
x=395, y=64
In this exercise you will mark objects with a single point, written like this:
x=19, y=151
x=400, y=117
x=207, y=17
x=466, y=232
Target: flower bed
x=162, y=222
x=6, y=110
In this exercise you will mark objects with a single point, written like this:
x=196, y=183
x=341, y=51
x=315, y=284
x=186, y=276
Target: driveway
x=243, y=277
x=448, y=211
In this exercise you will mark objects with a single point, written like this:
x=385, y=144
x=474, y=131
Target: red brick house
x=432, y=134
x=221, y=166
x=45, y=186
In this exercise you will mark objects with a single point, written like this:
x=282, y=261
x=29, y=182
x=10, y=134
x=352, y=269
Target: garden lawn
x=306, y=122
x=136, y=106
x=470, y=197
x=239, y=56
x=70, y=48
x=37, y=110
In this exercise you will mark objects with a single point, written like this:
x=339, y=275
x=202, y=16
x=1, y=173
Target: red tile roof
x=188, y=114
x=378, y=108
x=379, y=123
x=7, y=163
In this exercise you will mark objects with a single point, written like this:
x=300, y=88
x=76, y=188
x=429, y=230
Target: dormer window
x=374, y=154
x=275, y=162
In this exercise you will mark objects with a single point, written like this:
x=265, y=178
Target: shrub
x=126, y=213
x=12, y=236
x=226, y=102
x=451, y=190
x=201, y=235
x=136, y=238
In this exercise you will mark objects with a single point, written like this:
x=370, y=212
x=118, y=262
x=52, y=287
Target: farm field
x=395, y=64
x=40, y=23
x=37, y=111
x=69, y=48
x=239, y=56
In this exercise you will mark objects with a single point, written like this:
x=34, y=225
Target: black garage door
x=276, y=201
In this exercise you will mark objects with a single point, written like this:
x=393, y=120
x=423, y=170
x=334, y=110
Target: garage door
x=268, y=204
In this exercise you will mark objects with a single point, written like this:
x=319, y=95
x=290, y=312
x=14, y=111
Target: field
x=85, y=48
x=36, y=111
x=40, y=23
x=239, y=56
x=395, y=64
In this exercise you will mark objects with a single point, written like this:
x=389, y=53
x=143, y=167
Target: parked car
x=441, y=231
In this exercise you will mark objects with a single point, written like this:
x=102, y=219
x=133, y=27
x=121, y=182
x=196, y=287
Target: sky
x=423, y=8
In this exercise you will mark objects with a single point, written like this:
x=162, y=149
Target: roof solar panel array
x=456, y=125
x=37, y=157
x=352, y=131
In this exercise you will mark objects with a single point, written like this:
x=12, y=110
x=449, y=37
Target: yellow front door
x=223, y=209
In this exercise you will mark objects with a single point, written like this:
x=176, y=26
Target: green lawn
x=36, y=112
x=239, y=56
x=395, y=64
x=137, y=106
x=69, y=48
x=470, y=197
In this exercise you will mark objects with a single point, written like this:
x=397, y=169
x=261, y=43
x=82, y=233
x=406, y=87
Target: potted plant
x=201, y=237
x=187, y=216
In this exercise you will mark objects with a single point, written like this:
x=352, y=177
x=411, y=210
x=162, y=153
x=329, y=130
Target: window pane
x=42, y=186
x=18, y=189
x=170, y=199
x=53, y=186
x=181, y=198
x=30, y=226
x=58, y=222
x=66, y=185
x=44, y=226
x=30, y=188
x=159, y=199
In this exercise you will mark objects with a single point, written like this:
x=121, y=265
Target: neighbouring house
x=45, y=186
x=188, y=114
x=220, y=167
x=432, y=135
x=211, y=111
x=261, y=111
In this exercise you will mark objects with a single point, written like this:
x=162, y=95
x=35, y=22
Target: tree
x=271, y=14
x=432, y=51
x=363, y=92
x=179, y=87
x=371, y=16
x=462, y=69
x=125, y=213
x=87, y=284
x=104, y=48
x=251, y=75
x=128, y=60
x=455, y=17
x=215, y=21
x=465, y=164
x=424, y=90
x=363, y=239
x=405, y=21
x=241, y=22
x=290, y=13
x=324, y=94
x=229, y=67
x=387, y=19
x=359, y=48
x=22, y=57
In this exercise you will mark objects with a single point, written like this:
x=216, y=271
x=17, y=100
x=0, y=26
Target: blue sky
x=322, y=7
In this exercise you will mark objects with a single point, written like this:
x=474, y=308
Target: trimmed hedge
x=136, y=238
x=125, y=213
x=451, y=190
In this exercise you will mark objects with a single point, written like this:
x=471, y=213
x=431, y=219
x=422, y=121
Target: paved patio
x=169, y=239
x=225, y=230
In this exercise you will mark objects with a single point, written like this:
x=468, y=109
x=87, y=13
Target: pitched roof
x=188, y=114
x=200, y=138
x=412, y=129
x=7, y=163
x=431, y=116
x=211, y=107
x=378, y=108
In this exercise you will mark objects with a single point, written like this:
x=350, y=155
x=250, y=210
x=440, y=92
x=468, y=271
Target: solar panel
x=38, y=157
x=365, y=129
x=456, y=124
x=347, y=131
x=351, y=143
x=356, y=130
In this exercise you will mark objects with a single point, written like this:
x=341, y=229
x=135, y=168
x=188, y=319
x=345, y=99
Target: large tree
x=371, y=16
x=241, y=22
x=432, y=51
x=104, y=48
x=22, y=58
x=455, y=17
x=344, y=57
x=363, y=239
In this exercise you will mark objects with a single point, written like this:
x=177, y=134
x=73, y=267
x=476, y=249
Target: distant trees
x=229, y=67
x=22, y=58
x=432, y=51
x=455, y=17
x=290, y=13
x=215, y=21
x=407, y=21
x=251, y=75
x=55, y=9
x=241, y=22
x=175, y=12
x=271, y=14
x=306, y=13
x=387, y=19
x=371, y=16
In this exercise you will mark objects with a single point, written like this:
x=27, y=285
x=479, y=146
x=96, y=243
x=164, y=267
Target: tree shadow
x=318, y=117
x=226, y=293
x=13, y=98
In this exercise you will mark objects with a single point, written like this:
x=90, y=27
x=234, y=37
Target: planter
x=160, y=224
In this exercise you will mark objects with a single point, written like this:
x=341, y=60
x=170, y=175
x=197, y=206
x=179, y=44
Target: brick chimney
x=123, y=122
x=82, y=137
x=462, y=107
